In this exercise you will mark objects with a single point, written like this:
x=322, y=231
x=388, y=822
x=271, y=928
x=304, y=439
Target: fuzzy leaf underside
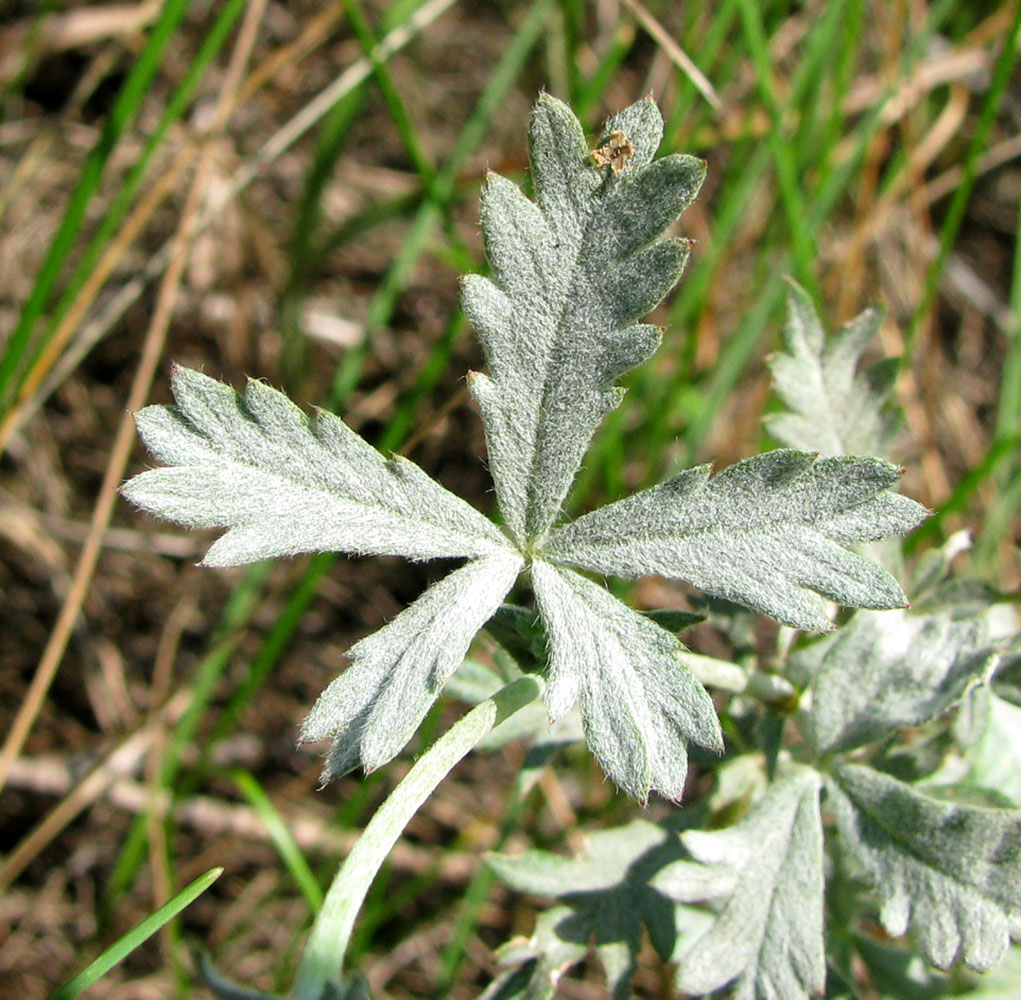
x=374, y=707
x=284, y=484
x=767, y=532
x=607, y=895
x=767, y=939
x=884, y=671
x=639, y=703
x=951, y=872
x=833, y=409
x=572, y=273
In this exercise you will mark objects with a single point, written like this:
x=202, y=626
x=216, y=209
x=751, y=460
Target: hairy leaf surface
x=374, y=707
x=834, y=410
x=951, y=872
x=766, y=876
x=572, y=272
x=285, y=484
x=767, y=533
x=639, y=703
x=884, y=671
x=606, y=893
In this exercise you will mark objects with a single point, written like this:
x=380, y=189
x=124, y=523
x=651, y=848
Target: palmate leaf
x=639, y=703
x=767, y=533
x=834, y=410
x=606, y=898
x=950, y=872
x=284, y=484
x=882, y=672
x=572, y=273
x=766, y=876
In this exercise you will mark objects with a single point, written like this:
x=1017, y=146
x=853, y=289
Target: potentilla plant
x=573, y=272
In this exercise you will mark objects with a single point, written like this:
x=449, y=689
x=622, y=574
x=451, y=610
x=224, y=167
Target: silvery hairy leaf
x=884, y=671
x=606, y=895
x=833, y=409
x=284, y=484
x=768, y=532
x=765, y=877
x=950, y=872
x=572, y=272
x=639, y=703
x=374, y=707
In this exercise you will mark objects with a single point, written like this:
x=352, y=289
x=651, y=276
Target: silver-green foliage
x=765, y=875
x=572, y=273
x=607, y=901
x=882, y=672
x=947, y=874
x=832, y=407
x=951, y=872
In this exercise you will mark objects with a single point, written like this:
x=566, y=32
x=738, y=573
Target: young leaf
x=559, y=941
x=833, y=410
x=572, y=273
x=374, y=707
x=882, y=672
x=952, y=872
x=639, y=703
x=767, y=532
x=608, y=893
x=766, y=873
x=284, y=484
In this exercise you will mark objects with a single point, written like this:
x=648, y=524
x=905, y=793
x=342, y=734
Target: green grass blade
x=212, y=42
x=117, y=952
x=1008, y=410
x=594, y=88
x=781, y=149
x=121, y=115
x=1007, y=472
x=968, y=484
x=959, y=203
x=391, y=95
x=294, y=861
x=241, y=607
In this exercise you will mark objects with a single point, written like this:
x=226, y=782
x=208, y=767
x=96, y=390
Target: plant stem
x=768, y=688
x=322, y=960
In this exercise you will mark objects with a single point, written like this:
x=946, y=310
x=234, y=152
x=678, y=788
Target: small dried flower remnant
x=616, y=153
